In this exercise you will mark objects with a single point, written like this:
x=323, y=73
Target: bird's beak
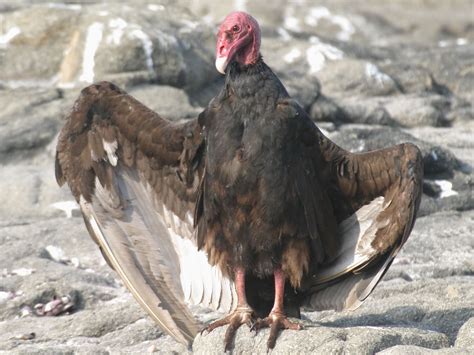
x=221, y=64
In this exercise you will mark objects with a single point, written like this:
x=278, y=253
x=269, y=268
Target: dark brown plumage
x=252, y=183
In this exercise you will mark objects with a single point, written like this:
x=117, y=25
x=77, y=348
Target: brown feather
x=121, y=160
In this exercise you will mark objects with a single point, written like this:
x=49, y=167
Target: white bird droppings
x=292, y=55
x=373, y=72
x=118, y=26
x=56, y=254
x=73, y=7
x=7, y=37
x=5, y=296
x=66, y=206
x=155, y=7
x=147, y=46
x=93, y=39
x=317, y=53
x=317, y=13
x=446, y=188
x=240, y=5
x=23, y=271
x=285, y=36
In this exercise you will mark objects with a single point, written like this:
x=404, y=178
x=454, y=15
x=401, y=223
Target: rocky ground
x=370, y=73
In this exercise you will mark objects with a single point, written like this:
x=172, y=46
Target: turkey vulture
x=248, y=208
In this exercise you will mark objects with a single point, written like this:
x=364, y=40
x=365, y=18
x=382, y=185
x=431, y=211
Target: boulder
x=359, y=138
x=321, y=339
x=352, y=77
x=29, y=120
x=90, y=43
x=371, y=75
x=465, y=338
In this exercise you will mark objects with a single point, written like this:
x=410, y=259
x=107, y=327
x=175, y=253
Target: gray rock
x=450, y=66
x=91, y=43
x=29, y=123
x=463, y=200
x=418, y=111
x=439, y=246
x=167, y=101
x=344, y=62
x=418, y=350
x=413, y=79
x=360, y=340
x=465, y=338
x=351, y=77
x=32, y=191
x=440, y=164
x=396, y=111
x=358, y=138
x=458, y=140
x=325, y=109
x=365, y=111
x=291, y=64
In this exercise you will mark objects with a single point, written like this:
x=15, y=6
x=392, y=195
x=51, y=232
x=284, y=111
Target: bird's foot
x=275, y=321
x=241, y=315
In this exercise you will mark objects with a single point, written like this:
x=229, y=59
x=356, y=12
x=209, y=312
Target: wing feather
x=124, y=163
x=377, y=195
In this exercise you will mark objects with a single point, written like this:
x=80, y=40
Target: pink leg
x=277, y=320
x=240, y=287
x=279, y=291
x=243, y=314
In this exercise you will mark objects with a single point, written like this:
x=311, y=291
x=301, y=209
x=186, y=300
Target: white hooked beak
x=221, y=64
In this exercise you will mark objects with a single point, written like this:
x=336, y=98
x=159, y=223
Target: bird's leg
x=277, y=320
x=243, y=314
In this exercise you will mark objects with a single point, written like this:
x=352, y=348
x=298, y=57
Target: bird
x=248, y=208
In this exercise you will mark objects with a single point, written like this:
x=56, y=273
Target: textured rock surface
x=369, y=81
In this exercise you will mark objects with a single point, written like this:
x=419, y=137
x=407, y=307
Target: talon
x=242, y=315
x=251, y=324
x=276, y=321
x=253, y=327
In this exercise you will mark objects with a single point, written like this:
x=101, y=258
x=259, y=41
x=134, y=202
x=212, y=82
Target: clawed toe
x=242, y=315
x=275, y=321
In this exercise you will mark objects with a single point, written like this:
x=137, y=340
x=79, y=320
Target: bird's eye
x=235, y=28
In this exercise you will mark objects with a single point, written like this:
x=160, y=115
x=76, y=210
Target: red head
x=238, y=39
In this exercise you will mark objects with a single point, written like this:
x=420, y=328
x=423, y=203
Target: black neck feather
x=254, y=80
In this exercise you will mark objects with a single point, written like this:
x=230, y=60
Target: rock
x=358, y=138
x=105, y=315
x=462, y=200
x=29, y=123
x=465, y=338
x=450, y=66
x=167, y=101
x=32, y=191
x=351, y=77
x=440, y=246
x=440, y=164
x=458, y=140
x=365, y=111
x=360, y=340
x=431, y=188
x=323, y=340
x=395, y=111
x=368, y=80
x=413, y=79
x=418, y=111
x=417, y=350
x=91, y=43
x=292, y=63
x=325, y=109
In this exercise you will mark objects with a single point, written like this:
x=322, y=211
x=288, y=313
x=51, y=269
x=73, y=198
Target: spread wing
x=375, y=197
x=136, y=176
